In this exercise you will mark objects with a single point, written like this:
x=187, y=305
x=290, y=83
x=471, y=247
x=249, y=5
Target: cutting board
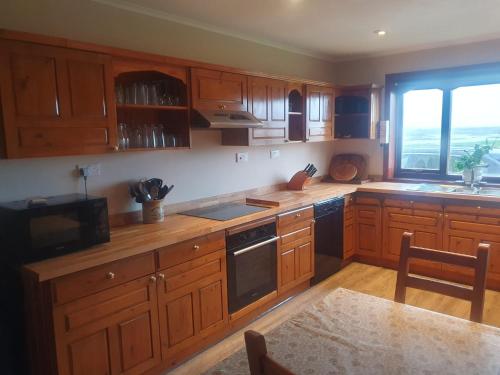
x=357, y=160
x=276, y=199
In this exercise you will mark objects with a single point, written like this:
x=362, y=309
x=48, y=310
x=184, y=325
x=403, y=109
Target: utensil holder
x=298, y=181
x=152, y=212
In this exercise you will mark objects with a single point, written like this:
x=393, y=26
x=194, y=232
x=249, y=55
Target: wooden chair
x=475, y=294
x=260, y=363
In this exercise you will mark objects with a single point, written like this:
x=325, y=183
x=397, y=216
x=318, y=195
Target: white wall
x=373, y=70
x=207, y=169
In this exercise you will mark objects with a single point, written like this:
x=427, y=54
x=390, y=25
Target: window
x=440, y=114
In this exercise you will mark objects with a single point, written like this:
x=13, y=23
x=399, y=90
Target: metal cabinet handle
x=249, y=248
x=152, y=279
x=196, y=247
x=161, y=276
x=110, y=275
x=222, y=107
x=297, y=215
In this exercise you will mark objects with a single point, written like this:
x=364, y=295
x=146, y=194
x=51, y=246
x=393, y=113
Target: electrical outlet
x=274, y=154
x=89, y=170
x=241, y=157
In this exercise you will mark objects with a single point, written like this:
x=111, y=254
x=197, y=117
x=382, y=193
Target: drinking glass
x=123, y=140
x=138, y=143
x=153, y=93
x=170, y=140
x=160, y=136
x=120, y=94
x=145, y=136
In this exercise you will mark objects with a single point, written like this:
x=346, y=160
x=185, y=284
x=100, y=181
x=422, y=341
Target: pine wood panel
x=368, y=230
x=217, y=90
x=320, y=108
x=47, y=92
x=120, y=335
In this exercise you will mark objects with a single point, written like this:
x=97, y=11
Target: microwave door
x=55, y=230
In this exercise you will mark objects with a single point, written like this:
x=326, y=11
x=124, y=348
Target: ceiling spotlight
x=380, y=32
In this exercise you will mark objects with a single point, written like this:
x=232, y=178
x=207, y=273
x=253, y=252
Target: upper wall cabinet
x=152, y=105
x=268, y=101
x=357, y=112
x=320, y=107
x=216, y=90
x=55, y=101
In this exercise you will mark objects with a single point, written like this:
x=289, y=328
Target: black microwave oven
x=33, y=230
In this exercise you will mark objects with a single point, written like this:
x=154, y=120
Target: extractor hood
x=225, y=119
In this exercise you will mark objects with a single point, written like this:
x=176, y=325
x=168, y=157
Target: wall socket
x=89, y=170
x=274, y=154
x=241, y=157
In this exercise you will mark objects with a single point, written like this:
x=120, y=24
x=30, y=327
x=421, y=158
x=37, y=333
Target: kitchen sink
x=435, y=188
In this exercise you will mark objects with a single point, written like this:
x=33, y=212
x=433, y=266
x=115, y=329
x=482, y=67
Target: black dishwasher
x=328, y=237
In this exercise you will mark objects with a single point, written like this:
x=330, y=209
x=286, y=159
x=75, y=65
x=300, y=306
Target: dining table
x=348, y=332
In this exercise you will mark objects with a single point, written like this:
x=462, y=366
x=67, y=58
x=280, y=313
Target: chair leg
x=400, y=294
x=256, y=350
x=477, y=307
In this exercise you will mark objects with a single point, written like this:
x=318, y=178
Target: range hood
x=225, y=119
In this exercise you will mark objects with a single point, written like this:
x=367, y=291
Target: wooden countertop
x=137, y=239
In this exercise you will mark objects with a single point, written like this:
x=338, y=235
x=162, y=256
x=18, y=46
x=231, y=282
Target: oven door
x=251, y=273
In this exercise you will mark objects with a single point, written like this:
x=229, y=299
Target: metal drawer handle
x=297, y=215
x=196, y=247
x=110, y=275
x=249, y=248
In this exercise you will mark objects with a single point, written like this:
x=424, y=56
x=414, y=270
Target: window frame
x=446, y=80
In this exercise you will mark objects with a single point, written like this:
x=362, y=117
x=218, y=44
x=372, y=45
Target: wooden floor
x=360, y=277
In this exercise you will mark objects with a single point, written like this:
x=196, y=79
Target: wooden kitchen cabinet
x=56, y=101
x=218, y=90
x=465, y=227
x=319, y=114
x=349, y=227
x=357, y=111
x=424, y=220
x=295, y=248
x=111, y=332
x=268, y=102
x=368, y=227
x=192, y=301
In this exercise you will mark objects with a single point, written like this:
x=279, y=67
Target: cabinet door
x=368, y=230
x=268, y=101
x=192, y=299
x=287, y=268
x=216, y=90
x=320, y=108
x=56, y=101
x=112, y=332
x=304, y=261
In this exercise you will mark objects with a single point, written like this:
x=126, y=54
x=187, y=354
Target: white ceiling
x=335, y=29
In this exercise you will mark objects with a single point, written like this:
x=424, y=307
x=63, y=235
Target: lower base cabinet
x=192, y=303
x=111, y=332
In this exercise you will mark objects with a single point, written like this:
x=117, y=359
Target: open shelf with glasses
x=151, y=107
x=296, y=123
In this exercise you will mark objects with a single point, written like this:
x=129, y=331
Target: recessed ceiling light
x=380, y=32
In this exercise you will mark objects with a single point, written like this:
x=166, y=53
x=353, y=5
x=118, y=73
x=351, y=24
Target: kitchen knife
x=307, y=167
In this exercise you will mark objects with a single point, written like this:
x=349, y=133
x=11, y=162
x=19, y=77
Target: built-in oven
x=251, y=262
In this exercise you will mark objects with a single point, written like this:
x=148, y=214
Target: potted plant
x=470, y=163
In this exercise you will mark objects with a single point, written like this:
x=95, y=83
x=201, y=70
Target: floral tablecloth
x=354, y=333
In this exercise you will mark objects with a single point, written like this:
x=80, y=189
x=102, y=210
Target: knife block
x=298, y=181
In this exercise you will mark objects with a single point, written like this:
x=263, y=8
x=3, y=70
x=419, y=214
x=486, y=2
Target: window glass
x=475, y=119
x=421, y=127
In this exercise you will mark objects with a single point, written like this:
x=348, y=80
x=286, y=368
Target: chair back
x=478, y=263
x=258, y=360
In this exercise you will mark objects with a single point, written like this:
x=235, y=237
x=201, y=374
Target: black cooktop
x=226, y=211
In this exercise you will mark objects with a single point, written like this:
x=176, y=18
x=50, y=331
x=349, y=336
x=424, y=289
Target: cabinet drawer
x=294, y=217
x=473, y=210
x=87, y=282
x=302, y=233
x=410, y=203
x=370, y=201
x=193, y=270
x=348, y=213
x=182, y=252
